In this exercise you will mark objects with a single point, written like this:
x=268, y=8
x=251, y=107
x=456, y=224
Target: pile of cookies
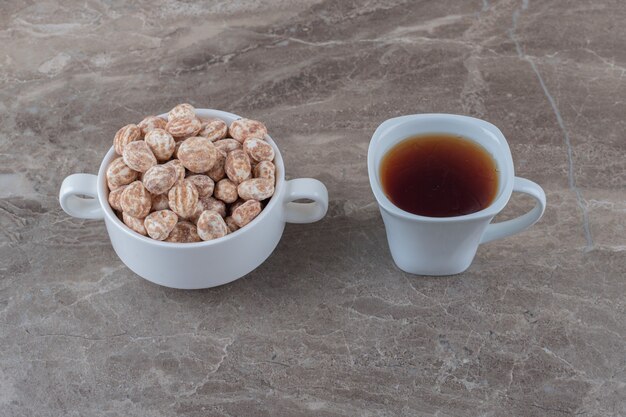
x=187, y=179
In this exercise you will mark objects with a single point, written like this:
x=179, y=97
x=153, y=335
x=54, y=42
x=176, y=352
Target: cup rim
x=272, y=204
x=505, y=158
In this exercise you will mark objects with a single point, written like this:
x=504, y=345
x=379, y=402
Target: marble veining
x=328, y=326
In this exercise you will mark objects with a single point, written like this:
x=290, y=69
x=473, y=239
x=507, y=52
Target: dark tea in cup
x=439, y=175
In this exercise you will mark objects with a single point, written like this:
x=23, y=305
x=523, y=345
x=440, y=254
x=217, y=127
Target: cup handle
x=511, y=227
x=73, y=202
x=305, y=188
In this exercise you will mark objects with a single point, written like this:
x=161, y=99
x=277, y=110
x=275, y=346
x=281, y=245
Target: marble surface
x=328, y=326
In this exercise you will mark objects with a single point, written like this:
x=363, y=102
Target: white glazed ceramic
x=202, y=264
x=447, y=245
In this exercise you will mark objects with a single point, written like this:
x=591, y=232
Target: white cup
x=202, y=264
x=447, y=245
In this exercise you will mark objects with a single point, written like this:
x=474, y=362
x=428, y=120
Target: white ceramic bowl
x=202, y=264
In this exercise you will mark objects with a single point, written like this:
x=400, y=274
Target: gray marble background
x=328, y=326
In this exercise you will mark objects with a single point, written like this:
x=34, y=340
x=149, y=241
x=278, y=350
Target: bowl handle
x=79, y=196
x=309, y=189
